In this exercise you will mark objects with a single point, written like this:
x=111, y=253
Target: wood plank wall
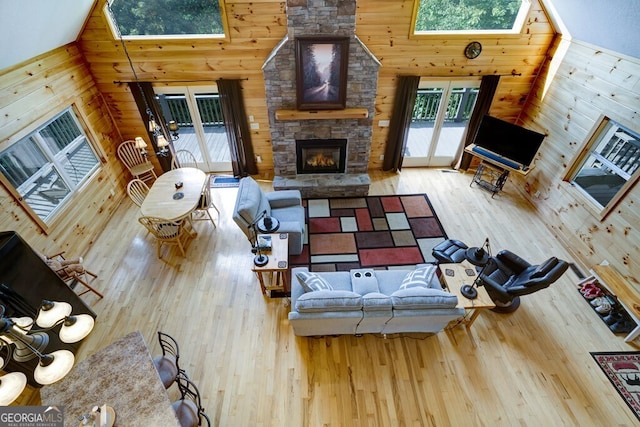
x=30, y=94
x=585, y=82
x=256, y=28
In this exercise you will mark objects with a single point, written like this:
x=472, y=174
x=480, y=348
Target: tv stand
x=492, y=174
x=490, y=177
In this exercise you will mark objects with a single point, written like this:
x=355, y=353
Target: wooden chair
x=72, y=271
x=167, y=364
x=188, y=408
x=205, y=204
x=175, y=233
x=183, y=159
x=137, y=190
x=139, y=166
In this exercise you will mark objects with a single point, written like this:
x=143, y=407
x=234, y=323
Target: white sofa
x=370, y=301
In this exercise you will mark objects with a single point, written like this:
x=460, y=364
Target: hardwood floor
x=531, y=367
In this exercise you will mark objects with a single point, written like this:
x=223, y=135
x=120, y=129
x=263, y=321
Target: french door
x=197, y=111
x=439, y=123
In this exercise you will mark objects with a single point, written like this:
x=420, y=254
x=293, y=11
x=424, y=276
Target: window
x=166, y=17
x=612, y=161
x=470, y=16
x=47, y=165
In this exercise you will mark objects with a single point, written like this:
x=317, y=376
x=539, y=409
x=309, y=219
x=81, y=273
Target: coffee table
x=277, y=266
x=472, y=307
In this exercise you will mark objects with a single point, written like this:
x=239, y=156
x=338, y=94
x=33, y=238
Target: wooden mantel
x=347, y=113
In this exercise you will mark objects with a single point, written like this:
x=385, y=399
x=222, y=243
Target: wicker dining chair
x=183, y=159
x=137, y=190
x=166, y=232
x=139, y=166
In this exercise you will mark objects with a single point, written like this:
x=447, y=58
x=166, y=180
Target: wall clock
x=473, y=50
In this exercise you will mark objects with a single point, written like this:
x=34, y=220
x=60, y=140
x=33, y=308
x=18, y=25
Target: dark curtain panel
x=235, y=122
x=487, y=90
x=400, y=122
x=145, y=97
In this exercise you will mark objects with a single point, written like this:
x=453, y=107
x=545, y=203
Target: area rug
x=381, y=232
x=623, y=370
x=224, y=181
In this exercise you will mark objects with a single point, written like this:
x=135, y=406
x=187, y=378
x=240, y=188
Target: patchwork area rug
x=375, y=232
x=623, y=370
x=224, y=181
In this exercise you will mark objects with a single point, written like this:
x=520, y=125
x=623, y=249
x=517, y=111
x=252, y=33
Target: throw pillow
x=420, y=277
x=364, y=281
x=313, y=282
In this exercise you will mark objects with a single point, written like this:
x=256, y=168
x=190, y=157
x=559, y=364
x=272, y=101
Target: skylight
x=469, y=16
x=156, y=18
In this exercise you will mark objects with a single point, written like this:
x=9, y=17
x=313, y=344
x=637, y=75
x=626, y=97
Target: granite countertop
x=121, y=375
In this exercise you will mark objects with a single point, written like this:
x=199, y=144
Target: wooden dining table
x=168, y=202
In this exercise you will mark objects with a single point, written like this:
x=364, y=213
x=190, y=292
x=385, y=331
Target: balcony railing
x=176, y=107
x=460, y=106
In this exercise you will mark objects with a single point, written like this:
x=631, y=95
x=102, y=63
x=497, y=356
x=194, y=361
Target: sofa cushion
x=364, y=281
x=375, y=301
x=420, y=277
x=417, y=298
x=321, y=301
x=313, y=282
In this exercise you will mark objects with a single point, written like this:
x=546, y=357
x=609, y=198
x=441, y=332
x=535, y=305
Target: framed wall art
x=321, y=72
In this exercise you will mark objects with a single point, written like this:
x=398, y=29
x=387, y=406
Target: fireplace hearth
x=321, y=155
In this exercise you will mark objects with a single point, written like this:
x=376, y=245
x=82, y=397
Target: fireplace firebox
x=321, y=155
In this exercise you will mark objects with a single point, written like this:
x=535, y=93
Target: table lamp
x=479, y=257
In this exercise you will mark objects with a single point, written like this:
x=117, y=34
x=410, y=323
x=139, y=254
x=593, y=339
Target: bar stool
x=188, y=408
x=167, y=364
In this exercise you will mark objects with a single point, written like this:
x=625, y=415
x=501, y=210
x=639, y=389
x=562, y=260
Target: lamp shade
x=140, y=142
x=52, y=312
x=477, y=256
x=55, y=370
x=152, y=125
x=75, y=328
x=162, y=141
x=11, y=386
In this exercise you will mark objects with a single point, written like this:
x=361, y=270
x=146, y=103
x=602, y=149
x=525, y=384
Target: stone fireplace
x=318, y=18
x=320, y=155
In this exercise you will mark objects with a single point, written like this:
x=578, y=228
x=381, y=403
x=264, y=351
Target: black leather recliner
x=507, y=277
x=450, y=251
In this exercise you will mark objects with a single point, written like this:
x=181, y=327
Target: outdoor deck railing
x=177, y=108
x=460, y=106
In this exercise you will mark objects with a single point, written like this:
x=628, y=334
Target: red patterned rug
x=374, y=231
x=623, y=370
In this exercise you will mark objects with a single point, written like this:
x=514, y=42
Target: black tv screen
x=508, y=140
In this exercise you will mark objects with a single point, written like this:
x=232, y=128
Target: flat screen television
x=508, y=140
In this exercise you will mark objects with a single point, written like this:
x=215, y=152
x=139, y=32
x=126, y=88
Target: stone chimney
x=321, y=18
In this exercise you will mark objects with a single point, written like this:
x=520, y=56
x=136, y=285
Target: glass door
x=439, y=123
x=198, y=112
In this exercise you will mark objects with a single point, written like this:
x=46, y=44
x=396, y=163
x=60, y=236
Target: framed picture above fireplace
x=321, y=72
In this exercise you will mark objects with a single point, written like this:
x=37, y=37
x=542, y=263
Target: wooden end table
x=472, y=307
x=276, y=268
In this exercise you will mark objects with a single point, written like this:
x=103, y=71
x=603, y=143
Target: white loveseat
x=370, y=301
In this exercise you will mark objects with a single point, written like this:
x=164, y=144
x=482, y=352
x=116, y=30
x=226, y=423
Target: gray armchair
x=284, y=205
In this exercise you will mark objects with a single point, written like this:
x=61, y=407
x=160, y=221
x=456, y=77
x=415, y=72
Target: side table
x=277, y=266
x=472, y=307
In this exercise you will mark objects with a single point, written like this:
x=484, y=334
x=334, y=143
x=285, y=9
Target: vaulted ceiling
x=33, y=27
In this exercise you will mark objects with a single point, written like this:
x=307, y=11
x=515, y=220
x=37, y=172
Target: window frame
x=115, y=31
x=591, y=142
x=518, y=24
x=53, y=162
